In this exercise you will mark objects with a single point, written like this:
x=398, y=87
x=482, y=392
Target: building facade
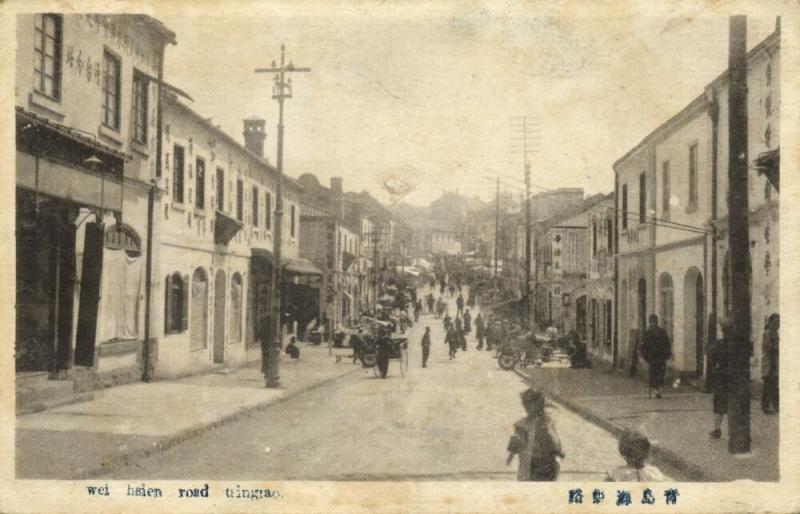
x=87, y=135
x=216, y=227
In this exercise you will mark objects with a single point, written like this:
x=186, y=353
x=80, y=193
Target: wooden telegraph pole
x=281, y=90
x=739, y=239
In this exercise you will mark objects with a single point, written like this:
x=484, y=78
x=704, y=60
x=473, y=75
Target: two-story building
x=672, y=249
x=216, y=228
x=88, y=123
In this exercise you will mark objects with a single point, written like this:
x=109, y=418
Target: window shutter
x=186, y=288
x=91, y=275
x=168, y=305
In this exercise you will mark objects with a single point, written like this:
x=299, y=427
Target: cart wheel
x=404, y=361
x=506, y=362
x=370, y=360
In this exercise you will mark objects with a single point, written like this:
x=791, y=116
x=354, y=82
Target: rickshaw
x=398, y=350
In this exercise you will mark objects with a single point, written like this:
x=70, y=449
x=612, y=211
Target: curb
x=659, y=453
x=179, y=437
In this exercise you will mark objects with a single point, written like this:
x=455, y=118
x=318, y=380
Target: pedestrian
x=769, y=365
x=462, y=340
x=634, y=447
x=447, y=322
x=383, y=348
x=417, y=310
x=656, y=352
x=451, y=339
x=459, y=324
x=460, y=304
x=292, y=350
x=479, y=330
x=426, y=346
x=535, y=441
x=430, y=303
x=471, y=298
x=720, y=376
x=452, y=290
x=467, y=322
x=357, y=344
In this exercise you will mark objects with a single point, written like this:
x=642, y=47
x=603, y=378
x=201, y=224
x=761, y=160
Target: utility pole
x=739, y=239
x=376, y=238
x=281, y=90
x=526, y=149
x=496, y=226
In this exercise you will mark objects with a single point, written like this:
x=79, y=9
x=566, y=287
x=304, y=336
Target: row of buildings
x=658, y=244
x=144, y=233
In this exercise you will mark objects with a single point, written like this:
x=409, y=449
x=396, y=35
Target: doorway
x=219, y=317
x=694, y=319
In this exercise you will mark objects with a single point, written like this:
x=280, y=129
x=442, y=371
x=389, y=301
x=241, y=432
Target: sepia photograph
x=427, y=245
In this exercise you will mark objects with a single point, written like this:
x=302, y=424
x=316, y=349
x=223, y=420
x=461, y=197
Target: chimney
x=336, y=185
x=255, y=133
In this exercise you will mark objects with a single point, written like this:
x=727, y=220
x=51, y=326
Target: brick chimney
x=255, y=133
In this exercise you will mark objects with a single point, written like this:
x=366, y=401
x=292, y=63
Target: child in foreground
x=634, y=447
x=535, y=441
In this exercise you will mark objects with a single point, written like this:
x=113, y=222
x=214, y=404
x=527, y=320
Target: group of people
x=656, y=351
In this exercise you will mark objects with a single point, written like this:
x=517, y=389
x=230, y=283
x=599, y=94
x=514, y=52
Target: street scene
x=332, y=267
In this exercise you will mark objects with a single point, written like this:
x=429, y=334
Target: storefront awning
x=300, y=266
x=225, y=228
x=30, y=123
x=291, y=265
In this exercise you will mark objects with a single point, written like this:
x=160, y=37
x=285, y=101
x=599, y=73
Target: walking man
x=426, y=346
x=384, y=344
x=467, y=322
x=430, y=303
x=479, y=330
x=460, y=305
x=656, y=352
x=452, y=341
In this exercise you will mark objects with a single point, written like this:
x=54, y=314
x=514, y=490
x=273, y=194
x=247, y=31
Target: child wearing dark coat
x=535, y=441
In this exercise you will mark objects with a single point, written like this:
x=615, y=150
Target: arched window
x=199, y=318
x=666, y=302
x=236, y=309
x=176, y=304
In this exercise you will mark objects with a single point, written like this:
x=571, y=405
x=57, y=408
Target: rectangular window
x=665, y=189
x=177, y=174
x=268, y=211
x=693, y=175
x=239, y=200
x=609, y=235
x=47, y=55
x=594, y=239
x=220, y=189
x=624, y=212
x=642, y=198
x=200, y=184
x=291, y=220
x=255, y=206
x=140, y=86
x=111, y=87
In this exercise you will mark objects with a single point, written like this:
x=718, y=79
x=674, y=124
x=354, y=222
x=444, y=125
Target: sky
x=432, y=96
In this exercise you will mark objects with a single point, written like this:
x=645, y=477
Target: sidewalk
x=125, y=423
x=677, y=425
